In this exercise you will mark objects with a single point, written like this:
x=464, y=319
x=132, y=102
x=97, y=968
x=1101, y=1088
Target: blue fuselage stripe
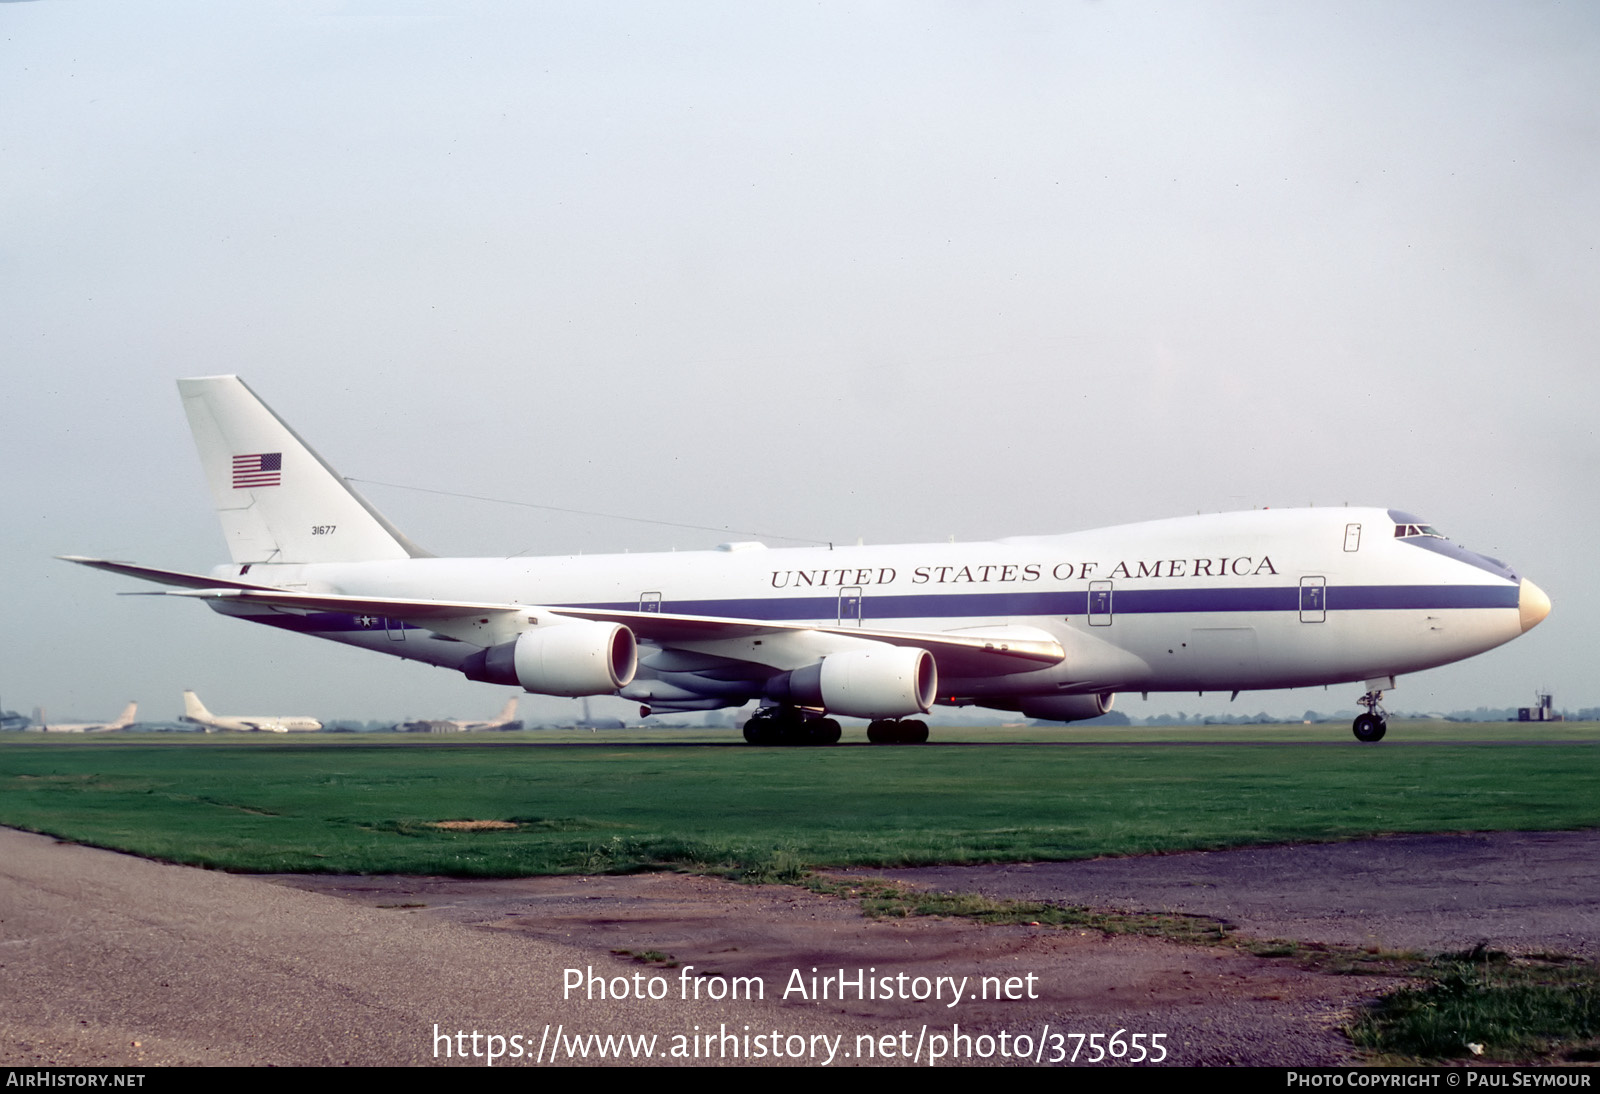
x=1123, y=602
x=987, y=605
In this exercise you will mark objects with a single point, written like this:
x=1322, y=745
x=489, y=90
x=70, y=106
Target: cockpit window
x=1419, y=533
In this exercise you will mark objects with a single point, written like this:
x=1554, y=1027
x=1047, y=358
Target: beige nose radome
x=1532, y=605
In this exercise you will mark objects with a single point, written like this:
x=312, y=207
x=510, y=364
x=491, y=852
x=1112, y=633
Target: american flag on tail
x=258, y=469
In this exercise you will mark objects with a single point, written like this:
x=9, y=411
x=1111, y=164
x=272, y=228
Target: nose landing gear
x=1371, y=726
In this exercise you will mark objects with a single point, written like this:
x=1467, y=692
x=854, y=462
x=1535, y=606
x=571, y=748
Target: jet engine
x=577, y=658
x=891, y=682
x=1067, y=708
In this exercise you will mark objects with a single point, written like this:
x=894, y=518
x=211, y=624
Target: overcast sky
x=889, y=271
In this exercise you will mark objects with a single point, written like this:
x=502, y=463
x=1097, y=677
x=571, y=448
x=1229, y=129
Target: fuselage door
x=650, y=602
x=1099, y=603
x=850, y=606
x=396, y=629
x=1313, y=599
x=1352, y=537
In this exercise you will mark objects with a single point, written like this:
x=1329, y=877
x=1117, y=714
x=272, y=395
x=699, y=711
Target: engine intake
x=572, y=659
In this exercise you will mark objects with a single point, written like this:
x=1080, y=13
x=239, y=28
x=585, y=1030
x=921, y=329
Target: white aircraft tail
x=507, y=713
x=194, y=709
x=277, y=499
x=125, y=719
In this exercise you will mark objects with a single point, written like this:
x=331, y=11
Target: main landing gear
x=902, y=731
x=1371, y=726
x=788, y=726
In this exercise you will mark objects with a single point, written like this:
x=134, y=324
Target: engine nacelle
x=1067, y=708
x=578, y=658
x=891, y=682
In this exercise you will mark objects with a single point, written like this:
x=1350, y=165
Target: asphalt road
x=1521, y=892
x=107, y=959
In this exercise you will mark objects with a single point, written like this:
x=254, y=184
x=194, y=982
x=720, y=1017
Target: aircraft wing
x=421, y=612
x=162, y=577
x=958, y=654
x=999, y=651
x=205, y=587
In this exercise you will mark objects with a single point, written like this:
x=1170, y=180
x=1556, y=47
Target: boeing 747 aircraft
x=1049, y=626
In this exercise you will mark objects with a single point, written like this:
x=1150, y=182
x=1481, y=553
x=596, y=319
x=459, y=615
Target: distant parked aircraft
x=195, y=711
x=506, y=719
x=124, y=720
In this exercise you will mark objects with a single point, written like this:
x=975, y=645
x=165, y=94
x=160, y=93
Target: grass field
x=582, y=802
x=638, y=800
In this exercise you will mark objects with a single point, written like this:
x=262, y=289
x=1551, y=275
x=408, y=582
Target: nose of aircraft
x=1532, y=605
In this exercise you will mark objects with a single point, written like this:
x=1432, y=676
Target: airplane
x=506, y=719
x=591, y=723
x=1050, y=626
x=195, y=712
x=124, y=720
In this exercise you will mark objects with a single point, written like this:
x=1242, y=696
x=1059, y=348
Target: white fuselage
x=252, y=724
x=1265, y=599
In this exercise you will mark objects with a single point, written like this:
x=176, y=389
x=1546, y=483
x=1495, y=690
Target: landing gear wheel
x=790, y=727
x=1369, y=728
x=906, y=731
x=762, y=728
x=823, y=731
x=787, y=726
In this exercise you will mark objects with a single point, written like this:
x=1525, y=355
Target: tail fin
x=508, y=712
x=277, y=499
x=125, y=719
x=194, y=709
